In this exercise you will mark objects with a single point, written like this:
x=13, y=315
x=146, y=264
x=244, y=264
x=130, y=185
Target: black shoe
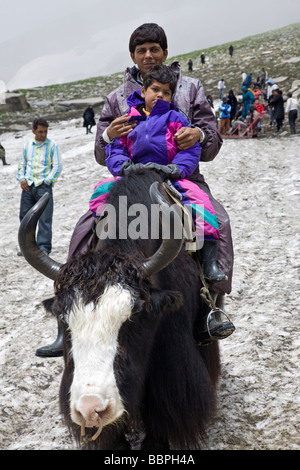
x=19, y=253
x=210, y=268
x=218, y=326
x=55, y=349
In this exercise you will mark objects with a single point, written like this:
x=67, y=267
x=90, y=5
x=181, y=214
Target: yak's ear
x=166, y=301
x=48, y=304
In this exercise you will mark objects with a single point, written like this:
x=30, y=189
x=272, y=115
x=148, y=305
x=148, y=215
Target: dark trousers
x=28, y=199
x=293, y=114
x=279, y=122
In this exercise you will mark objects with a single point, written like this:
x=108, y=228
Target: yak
x=130, y=307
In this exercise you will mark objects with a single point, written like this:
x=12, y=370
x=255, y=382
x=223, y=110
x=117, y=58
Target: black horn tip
x=27, y=242
x=170, y=247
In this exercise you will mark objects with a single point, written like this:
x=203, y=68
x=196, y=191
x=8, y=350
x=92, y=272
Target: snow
x=258, y=182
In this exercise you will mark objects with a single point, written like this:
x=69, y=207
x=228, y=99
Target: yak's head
x=110, y=309
x=110, y=314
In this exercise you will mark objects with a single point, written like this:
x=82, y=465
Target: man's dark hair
x=39, y=122
x=162, y=74
x=148, y=32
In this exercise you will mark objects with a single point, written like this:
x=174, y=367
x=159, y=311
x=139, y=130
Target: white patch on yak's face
x=94, y=330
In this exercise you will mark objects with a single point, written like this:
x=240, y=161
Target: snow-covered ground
x=258, y=181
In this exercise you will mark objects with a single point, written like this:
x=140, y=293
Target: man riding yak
x=148, y=47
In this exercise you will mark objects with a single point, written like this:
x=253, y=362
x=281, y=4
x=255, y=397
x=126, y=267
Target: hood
x=270, y=81
x=135, y=99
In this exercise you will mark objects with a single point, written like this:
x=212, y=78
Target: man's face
x=40, y=133
x=147, y=55
x=154, y=92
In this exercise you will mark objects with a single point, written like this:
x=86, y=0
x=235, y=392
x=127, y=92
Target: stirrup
x=220, y=330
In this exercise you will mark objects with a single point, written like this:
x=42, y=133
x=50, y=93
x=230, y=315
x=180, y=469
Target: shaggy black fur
x=167, y=382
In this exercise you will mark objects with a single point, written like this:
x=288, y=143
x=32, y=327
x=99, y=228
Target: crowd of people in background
x=256, y=99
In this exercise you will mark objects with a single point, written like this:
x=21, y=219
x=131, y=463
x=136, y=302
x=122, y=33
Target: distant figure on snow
x=263, y=77
x=2, y=155
x=202, y=58
x=224, y=112
x=221, y=88
x=276, y=102
x=232, y=101
x=190, y=64
x=292, y=111
x=248, y=80
x=211, y=102
x=248, y=100
x=89, y=119
x=230, y=50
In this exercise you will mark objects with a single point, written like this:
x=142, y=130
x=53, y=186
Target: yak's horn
x=170, y=247
x=27, y=242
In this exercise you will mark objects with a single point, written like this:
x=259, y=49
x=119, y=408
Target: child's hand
x=186, y=137
x=120, y=127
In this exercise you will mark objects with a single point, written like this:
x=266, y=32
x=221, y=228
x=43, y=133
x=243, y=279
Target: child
x=152, y=143
x=224, y=110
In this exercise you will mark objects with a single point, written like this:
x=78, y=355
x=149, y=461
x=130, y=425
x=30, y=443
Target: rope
x=204, y=291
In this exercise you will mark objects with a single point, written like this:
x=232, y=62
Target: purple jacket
x=152, y=140
x=189, y=98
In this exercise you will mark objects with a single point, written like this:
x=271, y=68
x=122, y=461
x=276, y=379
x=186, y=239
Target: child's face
x=154, y=92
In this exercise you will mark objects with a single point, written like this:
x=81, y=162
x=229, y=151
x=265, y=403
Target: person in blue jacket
x=224, y=113
x=248, y=100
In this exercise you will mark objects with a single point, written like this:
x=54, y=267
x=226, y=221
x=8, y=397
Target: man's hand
x=120, y=127
x=186, y=137
x=24, y=185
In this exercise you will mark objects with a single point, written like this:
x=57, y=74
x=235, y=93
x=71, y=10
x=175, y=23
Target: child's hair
x=148, y=32
x=162, y=74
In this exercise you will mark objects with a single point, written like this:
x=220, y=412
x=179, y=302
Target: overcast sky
x=65, y=40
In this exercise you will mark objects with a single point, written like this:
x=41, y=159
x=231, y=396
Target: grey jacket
x=189, y=98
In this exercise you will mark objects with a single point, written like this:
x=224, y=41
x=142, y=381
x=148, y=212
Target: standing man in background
x=39, y=168
x=221, y=88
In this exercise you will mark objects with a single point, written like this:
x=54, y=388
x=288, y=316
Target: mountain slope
x=278, y=51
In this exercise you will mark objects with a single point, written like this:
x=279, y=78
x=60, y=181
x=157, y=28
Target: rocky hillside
x=277, y=51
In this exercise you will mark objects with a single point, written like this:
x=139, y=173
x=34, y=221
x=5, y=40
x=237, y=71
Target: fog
x=69, y=40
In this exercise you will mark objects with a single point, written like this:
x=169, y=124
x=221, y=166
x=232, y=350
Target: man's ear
x=132, y=57
x=165, y=55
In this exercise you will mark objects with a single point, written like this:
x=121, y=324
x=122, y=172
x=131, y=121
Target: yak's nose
x=90, y=408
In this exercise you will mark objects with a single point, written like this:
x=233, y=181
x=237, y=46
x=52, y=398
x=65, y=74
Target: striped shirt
x=41, y=162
